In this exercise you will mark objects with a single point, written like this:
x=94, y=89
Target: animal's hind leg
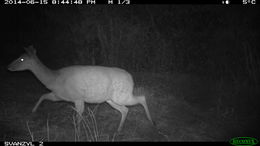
x=123, y=110
x=142, y=101
x=48, y=96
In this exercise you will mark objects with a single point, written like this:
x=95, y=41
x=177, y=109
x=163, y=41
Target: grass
x=87, y=127
x=184, y=108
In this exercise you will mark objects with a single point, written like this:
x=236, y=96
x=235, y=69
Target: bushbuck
x=80, y=84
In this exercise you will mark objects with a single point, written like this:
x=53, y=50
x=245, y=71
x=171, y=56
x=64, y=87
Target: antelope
x=79, y=84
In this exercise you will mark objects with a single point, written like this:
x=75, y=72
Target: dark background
x=203, y=57
x=216, y=41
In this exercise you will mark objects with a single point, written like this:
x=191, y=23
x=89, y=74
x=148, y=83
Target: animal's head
x=25, y=61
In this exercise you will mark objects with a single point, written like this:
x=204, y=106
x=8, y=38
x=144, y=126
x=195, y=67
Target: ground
x=184, y=107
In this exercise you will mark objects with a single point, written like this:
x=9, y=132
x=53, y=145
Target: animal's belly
x=80, y=90
x=96, y=99
x=92, y=86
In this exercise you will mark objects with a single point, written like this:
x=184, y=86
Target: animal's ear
x=30, y=50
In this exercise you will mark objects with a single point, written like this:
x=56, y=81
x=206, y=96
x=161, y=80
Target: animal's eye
x=22, y=59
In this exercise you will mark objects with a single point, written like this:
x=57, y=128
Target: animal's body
x=79, y=84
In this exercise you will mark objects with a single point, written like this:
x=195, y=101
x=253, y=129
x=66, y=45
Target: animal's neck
x=43, y=73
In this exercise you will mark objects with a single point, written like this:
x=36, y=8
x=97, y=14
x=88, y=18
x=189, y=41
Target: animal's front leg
x=79, y=106
x=48, y=96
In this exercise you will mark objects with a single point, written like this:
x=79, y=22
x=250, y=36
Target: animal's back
x=93, y=84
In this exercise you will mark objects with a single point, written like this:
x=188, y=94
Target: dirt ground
x=184, y=108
